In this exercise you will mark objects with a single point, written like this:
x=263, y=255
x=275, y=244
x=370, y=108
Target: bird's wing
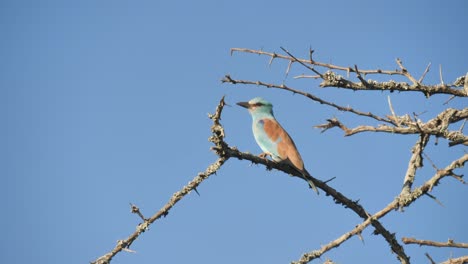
x=285, y=145
x=267, y=143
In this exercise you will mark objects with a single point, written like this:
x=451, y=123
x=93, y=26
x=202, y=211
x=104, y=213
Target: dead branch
x=332, y=79
x=460, y=260
x=449, y=243
x=396, y=203
x=437, y=126
x=217, y=139
x=228, y=79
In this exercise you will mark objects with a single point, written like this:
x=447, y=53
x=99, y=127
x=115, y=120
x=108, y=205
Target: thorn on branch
x=405, y=72
x=332, y=123
x=435, y=199
x=430, y=259
x=440, y=75
x=136, y=210
x=364, y=82
x=227, y=79
x=424, y=73
x=302, y=63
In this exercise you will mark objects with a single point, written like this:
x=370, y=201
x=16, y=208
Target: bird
x=273, y=139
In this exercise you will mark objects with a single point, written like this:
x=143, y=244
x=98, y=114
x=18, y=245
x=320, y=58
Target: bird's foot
x=264, y=155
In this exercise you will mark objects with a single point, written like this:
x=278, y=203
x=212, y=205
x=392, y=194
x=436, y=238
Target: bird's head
x=258, y=106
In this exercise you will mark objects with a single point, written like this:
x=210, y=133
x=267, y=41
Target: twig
x=307, y=257
x=432, y=163
x=435, y=199
x=449, y=243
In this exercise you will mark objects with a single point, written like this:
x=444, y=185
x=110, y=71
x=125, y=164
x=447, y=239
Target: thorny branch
x=333, y=79
x=400, y=201
x=228, y=79
x=438, y=127
x=217, y=139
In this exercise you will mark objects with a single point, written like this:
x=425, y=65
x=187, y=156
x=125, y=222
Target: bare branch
x=428, y=185
x=449, y=243
x=217, y=139
x=438, y=126
x=339, y=81
x=313, y=62
x=460, y=260
x=307, y=257
x=228, y=79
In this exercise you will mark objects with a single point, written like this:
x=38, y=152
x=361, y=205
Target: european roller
x=273, y=139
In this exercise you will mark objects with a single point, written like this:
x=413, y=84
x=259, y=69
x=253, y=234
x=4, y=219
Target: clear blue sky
x=104, y=103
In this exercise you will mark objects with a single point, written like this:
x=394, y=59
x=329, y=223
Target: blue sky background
x=104, y=103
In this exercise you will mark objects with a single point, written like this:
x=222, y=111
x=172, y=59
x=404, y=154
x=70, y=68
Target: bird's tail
x=309, y=179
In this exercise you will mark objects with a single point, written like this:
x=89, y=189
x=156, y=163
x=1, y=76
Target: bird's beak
x=244, y=104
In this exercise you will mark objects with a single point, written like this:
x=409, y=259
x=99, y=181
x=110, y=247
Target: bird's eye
x=258, y=104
